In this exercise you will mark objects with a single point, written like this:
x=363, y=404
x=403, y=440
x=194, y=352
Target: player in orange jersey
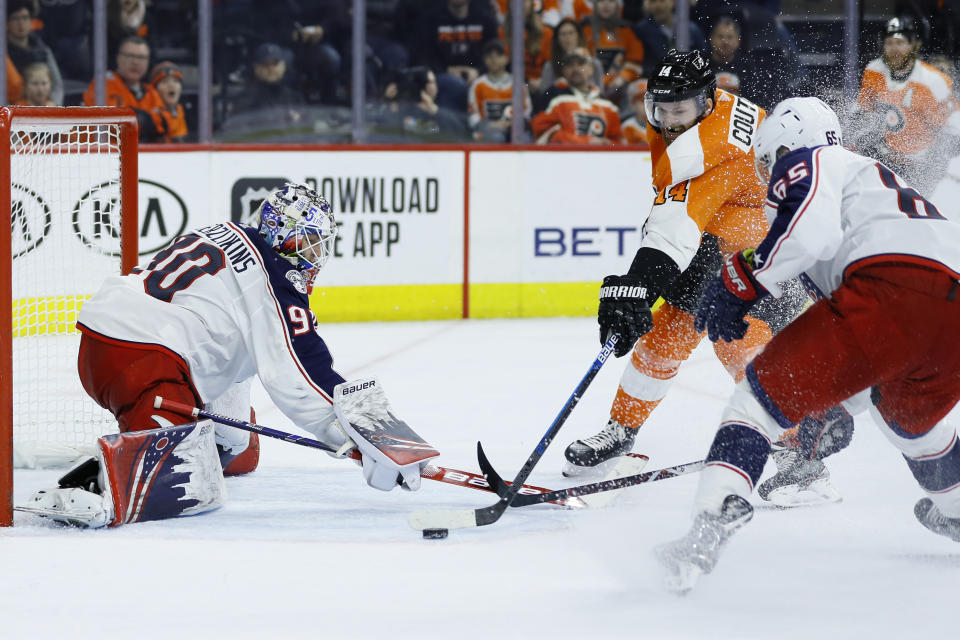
x=709, y=205
x=906, y=115
x=576, y=114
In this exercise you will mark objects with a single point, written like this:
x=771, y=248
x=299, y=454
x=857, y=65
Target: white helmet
x=795, y=123
x=298, y=223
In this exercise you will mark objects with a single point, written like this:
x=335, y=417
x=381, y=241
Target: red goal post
x=71, y=206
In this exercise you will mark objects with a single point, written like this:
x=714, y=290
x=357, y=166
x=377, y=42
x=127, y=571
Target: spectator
x=555, y=11
x=409, y=111
x=729, y=82
x=37, y=84
x=126, y=86
x=66, y=30
x=537, y=39
x=490, y=99
x=14, y=83
x=266, y=90
x=167, y=79
x=657, y=32
x=25, y=47
x=906, y=115
x=451, y=37
x=125, y=18
x=317, y=32
x=576, y=114
x=726, y=56
x=614, y=43
x=566, y=37
x=635, y=120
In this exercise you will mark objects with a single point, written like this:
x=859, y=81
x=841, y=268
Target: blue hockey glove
x=727, y=299
x=624, y=310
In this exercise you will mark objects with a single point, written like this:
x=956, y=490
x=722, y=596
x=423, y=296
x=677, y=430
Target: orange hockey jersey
x=914, y=110
x=490, y=99
x=619, y=50
x=705, y=181
x=556, y=10
x=574, y=117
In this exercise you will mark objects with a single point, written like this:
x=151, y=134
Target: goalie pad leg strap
x=161, y=473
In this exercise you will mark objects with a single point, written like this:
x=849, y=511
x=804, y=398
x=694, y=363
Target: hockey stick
x=463, y=518
x=430, y=472
x=628, y=462
x=610, y=485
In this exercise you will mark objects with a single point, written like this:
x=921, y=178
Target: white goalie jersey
x=231, y=307
x=831, y=209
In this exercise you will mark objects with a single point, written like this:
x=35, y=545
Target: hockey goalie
x=221, y=304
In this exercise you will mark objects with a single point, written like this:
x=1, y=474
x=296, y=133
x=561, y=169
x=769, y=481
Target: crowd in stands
x=436, y=70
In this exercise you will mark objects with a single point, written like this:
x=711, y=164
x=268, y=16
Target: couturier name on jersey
x=743, y=124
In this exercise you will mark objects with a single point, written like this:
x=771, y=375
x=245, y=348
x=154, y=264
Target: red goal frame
x=9, y=117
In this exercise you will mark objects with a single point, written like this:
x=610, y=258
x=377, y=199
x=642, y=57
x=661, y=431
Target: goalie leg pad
x=161, y=473
x=392, y=453
x=239, y=450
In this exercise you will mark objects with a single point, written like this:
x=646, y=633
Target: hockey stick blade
x=628, y=464
x=430, y=472
x=488, y=515
x=610, y=485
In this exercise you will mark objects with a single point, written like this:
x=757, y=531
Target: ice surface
x=304, y=549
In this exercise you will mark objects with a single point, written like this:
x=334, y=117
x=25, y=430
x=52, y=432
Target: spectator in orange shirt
x=25, y=47
x=566, y=37
x=37, y=85
x=612, y=40
x=635, y=121
x=14, y=82
x=126, y=88
x=537, y=39
x=555, y=11
x=167, y=79
x=576, y=114
x=490, y=98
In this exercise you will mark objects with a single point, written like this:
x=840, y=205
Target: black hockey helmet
x=681, y=75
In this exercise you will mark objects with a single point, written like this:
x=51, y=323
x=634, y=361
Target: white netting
x=65, y=197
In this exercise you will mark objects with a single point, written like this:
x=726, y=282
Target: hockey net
x=72, y=211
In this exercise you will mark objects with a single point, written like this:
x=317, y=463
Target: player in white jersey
x=221, y=304
x=886, y=266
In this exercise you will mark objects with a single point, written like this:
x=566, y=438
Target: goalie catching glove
x=728, y=298
x=391, y=452
x=626, y=301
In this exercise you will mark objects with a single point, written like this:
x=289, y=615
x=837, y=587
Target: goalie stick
x=430, y=472
x=464, y=518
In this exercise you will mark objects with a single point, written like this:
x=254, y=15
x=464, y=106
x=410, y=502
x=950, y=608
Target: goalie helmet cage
x=71, y=206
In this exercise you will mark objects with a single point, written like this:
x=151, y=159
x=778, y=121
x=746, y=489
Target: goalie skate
x=798, y=482
x=597, y=455
x=931, y=517
x=695, y=554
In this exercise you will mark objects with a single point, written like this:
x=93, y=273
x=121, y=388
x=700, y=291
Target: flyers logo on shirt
x=589, y=124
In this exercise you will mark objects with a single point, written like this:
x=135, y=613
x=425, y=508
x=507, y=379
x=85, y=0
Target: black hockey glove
x=625, y=300
x=625, y=311
x=728, y=298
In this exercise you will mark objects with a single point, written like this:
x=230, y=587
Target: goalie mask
x=680, y=93
x=298, y=223
x=795, y=123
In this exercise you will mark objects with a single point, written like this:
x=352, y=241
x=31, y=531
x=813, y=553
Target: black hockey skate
x=589, y=455
x=931, y=517
x=697, y=552
x=798, y=482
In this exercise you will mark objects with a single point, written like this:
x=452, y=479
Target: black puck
x=435, y=534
